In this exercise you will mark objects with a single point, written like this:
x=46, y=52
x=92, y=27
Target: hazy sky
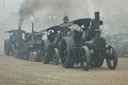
x=10, y=5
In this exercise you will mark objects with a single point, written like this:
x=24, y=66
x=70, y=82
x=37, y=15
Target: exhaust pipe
x=32, y=27
x=19, y=28
x=97, y=15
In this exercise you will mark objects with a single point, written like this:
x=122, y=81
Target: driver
x=65, y=30
x=66, y=19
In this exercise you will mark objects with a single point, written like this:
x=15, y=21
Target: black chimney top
x=19, y=27
x=32, y=27
x=97, y=15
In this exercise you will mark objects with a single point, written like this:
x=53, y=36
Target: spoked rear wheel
x=7, y=47
x=98, y=60
x=112, y=58
x=46, y=59
x=84, y=58
x=65, y=48
x=44, y=52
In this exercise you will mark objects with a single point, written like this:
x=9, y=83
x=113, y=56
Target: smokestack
x=97, y=15
x=32, y=27
x=19, y=28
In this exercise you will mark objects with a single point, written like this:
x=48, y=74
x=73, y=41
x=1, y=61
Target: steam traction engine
x=49, y=50
x=15, y=44
x=85, y=46
x=32, y=45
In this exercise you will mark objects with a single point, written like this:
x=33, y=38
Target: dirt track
x=15, y=71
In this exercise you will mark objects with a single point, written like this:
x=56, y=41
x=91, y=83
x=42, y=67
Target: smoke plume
x=61, y=8
x=114, y=12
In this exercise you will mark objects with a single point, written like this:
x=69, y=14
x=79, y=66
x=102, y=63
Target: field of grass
x=14, y=71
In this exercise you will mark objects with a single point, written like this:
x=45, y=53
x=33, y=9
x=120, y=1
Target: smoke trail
x=110, y=10
x=27, y=9
x=61, y=8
